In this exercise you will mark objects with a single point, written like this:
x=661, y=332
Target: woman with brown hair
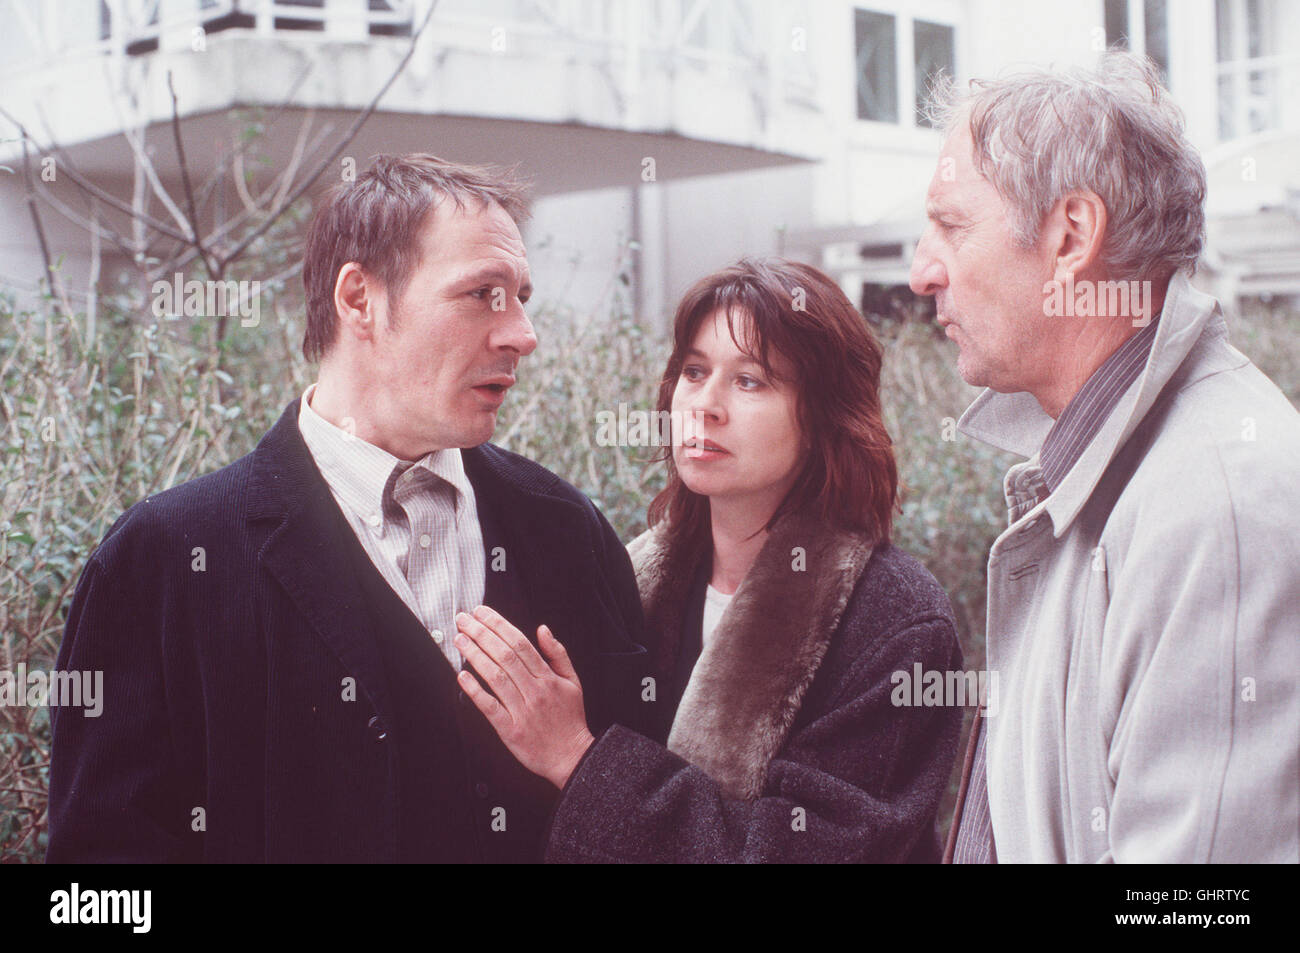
x=782, y=621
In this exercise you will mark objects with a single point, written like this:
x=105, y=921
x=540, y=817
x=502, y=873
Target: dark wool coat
x=786, y=745
x=272, y=699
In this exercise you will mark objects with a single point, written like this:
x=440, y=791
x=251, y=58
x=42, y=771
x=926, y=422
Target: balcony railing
x=749, y=40
x=57, y=30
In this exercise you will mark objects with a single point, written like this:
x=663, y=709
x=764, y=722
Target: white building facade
x=674, y=135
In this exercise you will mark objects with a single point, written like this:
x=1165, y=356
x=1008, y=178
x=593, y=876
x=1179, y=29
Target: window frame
x=905, y=15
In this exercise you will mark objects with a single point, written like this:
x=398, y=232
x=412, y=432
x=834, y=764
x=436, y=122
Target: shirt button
x=377, y=729
x=481, y=789
x=373, y=519
x=425, y=540
x=437, y=636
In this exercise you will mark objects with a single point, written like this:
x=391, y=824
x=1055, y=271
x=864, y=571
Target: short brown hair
x=800, y=313
x=376, y=222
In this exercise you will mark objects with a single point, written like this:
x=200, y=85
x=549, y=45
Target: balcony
x=579, y=90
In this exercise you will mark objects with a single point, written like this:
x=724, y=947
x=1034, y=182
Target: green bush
x=92, y=426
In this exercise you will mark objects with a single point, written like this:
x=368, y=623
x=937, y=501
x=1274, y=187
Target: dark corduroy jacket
x=267, y=697
x=787, y=744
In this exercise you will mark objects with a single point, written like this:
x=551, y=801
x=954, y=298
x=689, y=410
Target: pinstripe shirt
x=416, y=521
x=1064, y=444
x=1088, y=409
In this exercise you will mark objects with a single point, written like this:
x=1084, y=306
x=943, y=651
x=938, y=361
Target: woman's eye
x=749, y=383
x=692, y=373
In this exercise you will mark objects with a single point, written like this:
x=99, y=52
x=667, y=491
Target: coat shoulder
x=1226, y=448
x=895, y=591
x=1225, y=409
x=190, y=509
x=897, y=600
x=523, y=474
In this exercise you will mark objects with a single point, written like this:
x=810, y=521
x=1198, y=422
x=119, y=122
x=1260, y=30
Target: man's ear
x=356, y=301
x=1081, y=221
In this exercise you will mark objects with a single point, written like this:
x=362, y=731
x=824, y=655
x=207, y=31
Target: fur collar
x=750, y=681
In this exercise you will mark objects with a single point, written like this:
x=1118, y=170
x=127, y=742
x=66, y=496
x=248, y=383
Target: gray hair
x=1113, y=130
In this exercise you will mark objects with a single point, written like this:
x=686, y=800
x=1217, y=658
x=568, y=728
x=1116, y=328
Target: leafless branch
x=69, y=168
x=348, y=136
x=185, y=179
x=36, y=217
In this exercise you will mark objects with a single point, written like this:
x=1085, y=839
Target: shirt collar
x=361, y=474
x=1015, y=422
x=1087, y=410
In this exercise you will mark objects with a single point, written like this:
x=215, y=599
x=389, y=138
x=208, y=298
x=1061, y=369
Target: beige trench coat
x=1144, y=620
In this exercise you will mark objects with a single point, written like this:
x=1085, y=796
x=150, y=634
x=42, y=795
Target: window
x=1141, y=26
x=1251, y=78
x=933, y=46
x=890, y=81
x=1155, y=22
x=1117, y=24
x=877, y=67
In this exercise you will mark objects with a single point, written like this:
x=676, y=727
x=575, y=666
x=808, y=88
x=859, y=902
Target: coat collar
x=361, y=473
x=1016, y=423
x=750, y=680
x=307, y=551
x=307, y=554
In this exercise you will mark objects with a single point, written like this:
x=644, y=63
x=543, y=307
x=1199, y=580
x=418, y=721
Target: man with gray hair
x=1142, y=602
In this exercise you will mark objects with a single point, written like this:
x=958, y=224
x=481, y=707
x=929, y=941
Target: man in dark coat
x=277, y=685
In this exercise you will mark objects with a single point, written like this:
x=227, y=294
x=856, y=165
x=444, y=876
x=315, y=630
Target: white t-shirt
x=715, y=603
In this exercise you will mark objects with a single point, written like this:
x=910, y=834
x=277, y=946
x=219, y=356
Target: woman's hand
x=538, y=710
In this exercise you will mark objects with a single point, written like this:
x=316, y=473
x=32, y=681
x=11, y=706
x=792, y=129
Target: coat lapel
x=523, y=527
x=553, y=574
x=1015, y=422
x=306, y=553
x=750, y=680
x=503, y=589
x=663, y=579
